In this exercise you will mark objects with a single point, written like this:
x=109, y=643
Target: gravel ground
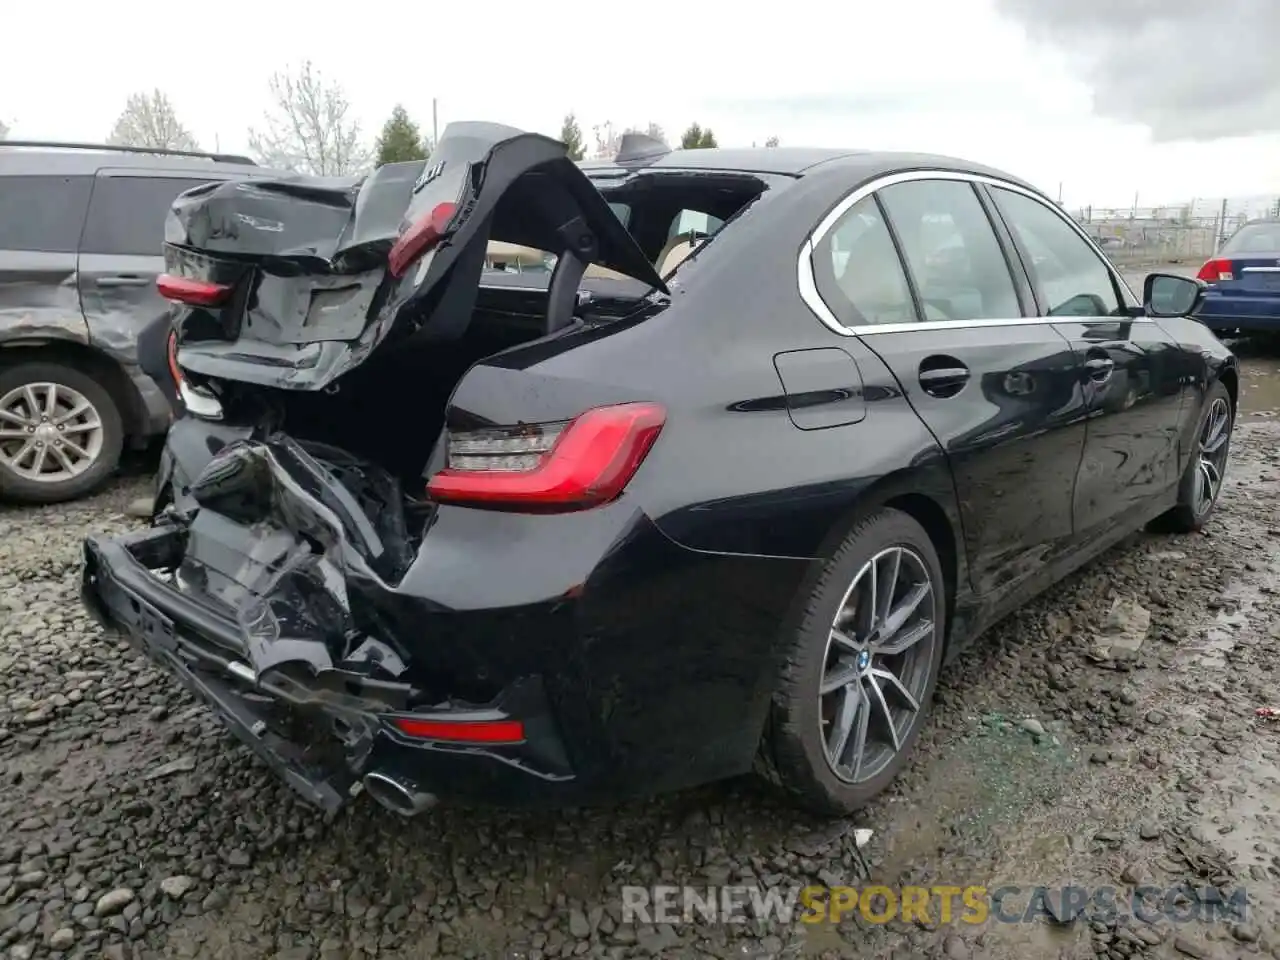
x=132, y=826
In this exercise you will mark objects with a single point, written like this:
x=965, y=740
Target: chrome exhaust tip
x=397, y=795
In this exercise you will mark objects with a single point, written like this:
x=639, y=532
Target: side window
x=951, y=250
x=1070, y=276
x=126, y=215
x=43, y=214
x=857, y=271
x=622, y=211
x=688, y=220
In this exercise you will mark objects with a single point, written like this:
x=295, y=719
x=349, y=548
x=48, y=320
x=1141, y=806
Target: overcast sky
x=1168, y=98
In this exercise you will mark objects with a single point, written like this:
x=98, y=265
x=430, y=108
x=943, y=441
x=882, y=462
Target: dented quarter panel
x=39, y=299
x=119, y=299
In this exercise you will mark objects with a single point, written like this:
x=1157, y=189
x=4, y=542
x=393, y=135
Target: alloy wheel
x=49, y=432
x=1214, y=437
x=878, y=662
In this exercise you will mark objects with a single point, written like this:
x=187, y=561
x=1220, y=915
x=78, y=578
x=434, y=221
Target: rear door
x=40, y=221
x=122, y=253
x=1132, y=376
x=915, y=268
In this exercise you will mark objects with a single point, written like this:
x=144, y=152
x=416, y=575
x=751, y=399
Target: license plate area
x=1262, y=280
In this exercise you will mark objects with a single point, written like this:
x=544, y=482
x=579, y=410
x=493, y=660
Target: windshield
x=1254, y=238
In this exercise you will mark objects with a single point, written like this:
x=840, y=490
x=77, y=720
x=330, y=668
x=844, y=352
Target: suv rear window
x=127, y=214
x=42, y=214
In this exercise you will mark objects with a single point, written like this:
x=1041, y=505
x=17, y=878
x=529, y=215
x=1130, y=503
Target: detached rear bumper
x=320, y=731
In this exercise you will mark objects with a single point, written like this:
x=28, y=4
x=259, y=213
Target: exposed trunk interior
x=391, y=408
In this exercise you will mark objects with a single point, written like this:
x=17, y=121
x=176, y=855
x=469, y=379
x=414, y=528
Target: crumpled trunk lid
x=308, y=261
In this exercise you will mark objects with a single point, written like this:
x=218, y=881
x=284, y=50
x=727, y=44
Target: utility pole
x=435, y=124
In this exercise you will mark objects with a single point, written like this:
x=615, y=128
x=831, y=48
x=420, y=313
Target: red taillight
x=553, y=466
x=475, y=731
x=420, y=238
x=1215, y=270
x=195, y=293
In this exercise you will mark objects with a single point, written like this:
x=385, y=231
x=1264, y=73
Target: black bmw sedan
x=779, y=434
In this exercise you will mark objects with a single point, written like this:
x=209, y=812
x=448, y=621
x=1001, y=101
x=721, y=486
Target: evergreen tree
x=695, y=138
x=401, y=140
x=571, y=137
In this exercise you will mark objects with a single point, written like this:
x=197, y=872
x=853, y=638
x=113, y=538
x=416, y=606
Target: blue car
x=1244, y=281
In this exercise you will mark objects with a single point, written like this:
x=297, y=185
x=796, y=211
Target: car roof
x=73, y=162
x=783, y=160
x=796, y=162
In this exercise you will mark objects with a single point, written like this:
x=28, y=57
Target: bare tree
x=651, y=130
x=149, y=120
x=608, y=139
x=4, y=129
x=307, y=129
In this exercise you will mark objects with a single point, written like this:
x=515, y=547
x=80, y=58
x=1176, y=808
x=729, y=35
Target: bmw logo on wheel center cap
x=864, y=659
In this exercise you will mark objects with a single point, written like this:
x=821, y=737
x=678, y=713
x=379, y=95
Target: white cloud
x=928, y=75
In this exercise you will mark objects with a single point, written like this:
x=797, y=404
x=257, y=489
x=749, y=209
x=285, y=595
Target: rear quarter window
x=42, y=213
x=127, y=214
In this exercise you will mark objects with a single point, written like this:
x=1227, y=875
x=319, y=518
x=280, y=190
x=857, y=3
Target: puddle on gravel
x=1222, y=634
x=985, y=783
x=1247, y=824
x=1260, y=389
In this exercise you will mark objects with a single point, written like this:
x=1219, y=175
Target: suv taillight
x=550, y=467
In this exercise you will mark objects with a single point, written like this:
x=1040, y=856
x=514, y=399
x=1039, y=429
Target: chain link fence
x=1150, y=236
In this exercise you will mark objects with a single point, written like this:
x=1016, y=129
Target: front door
x=1131, y=373
x=917, y=271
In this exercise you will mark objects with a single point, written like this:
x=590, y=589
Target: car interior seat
x=678, y=249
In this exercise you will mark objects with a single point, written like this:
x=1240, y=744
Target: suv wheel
x=60, y=433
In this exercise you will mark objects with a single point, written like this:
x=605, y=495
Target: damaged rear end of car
x=346, y=473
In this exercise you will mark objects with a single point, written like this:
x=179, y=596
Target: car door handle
x=1099, y=368
x=943, y=377
x=123, y=280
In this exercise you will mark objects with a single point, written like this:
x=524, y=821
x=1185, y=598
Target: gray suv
x=81, y=234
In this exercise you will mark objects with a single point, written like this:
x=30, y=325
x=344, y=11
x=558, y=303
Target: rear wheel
x=861, y=669
x=1202, y=480
x=60, y=433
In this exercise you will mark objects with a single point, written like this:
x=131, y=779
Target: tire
x=1191, y=512
x=794, y=748
x=102, y=444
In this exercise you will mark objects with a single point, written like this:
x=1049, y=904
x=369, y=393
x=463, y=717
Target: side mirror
x=1169, y=295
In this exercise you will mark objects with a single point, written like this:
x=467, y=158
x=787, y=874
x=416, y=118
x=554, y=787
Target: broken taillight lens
x=553, y=467
x=194, y=293
x=198, y=402
x=462, y=731
x=421, y=238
